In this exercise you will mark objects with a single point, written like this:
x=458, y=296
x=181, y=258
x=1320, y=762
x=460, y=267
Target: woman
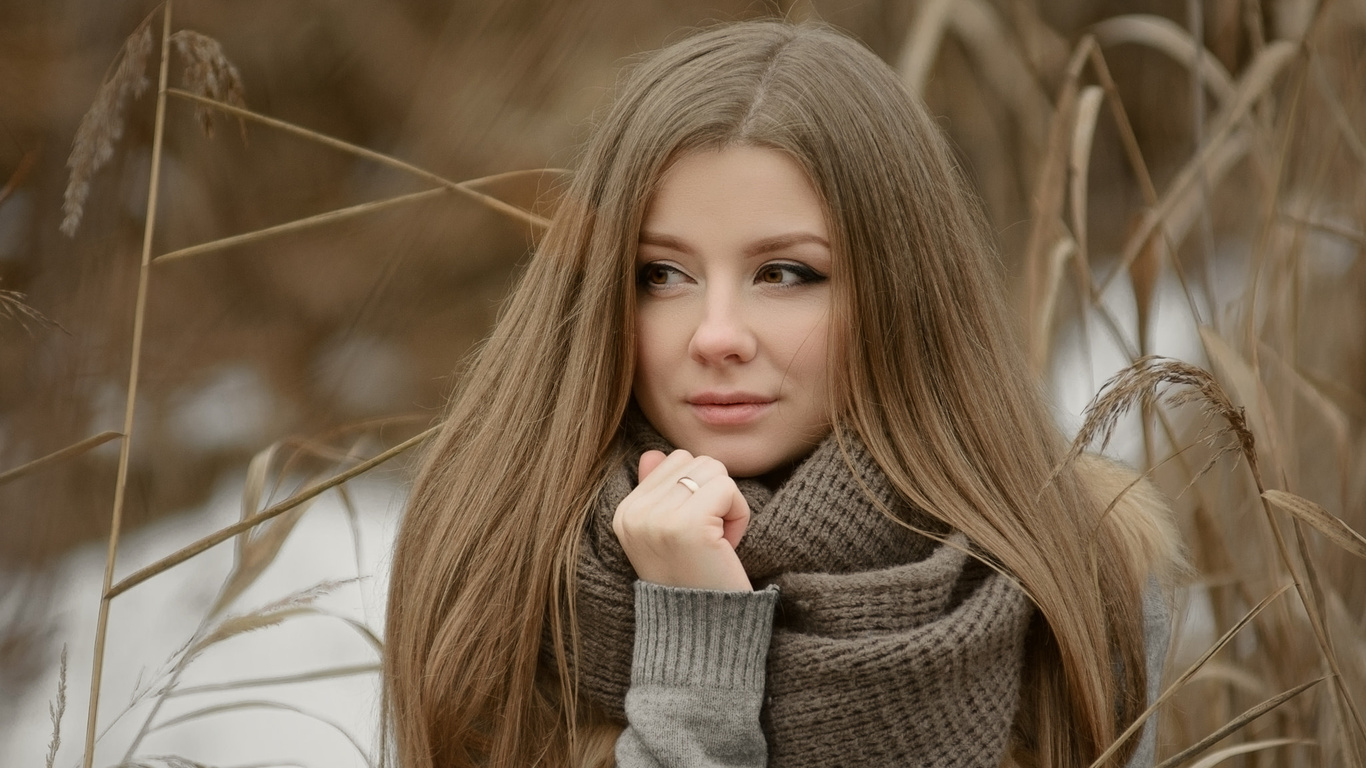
x=763, y=347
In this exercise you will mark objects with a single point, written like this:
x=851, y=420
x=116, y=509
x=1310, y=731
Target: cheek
x=654, y=355
x=814, y=364
x=808, y=352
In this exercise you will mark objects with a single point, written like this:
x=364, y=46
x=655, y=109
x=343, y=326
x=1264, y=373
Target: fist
x=679, y=537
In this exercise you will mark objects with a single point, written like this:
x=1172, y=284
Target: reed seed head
x=57, y=710
x=209, y=73
x=102, y=126
x=1151, y=381
x=14, y=306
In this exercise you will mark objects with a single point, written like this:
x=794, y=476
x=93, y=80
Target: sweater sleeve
x=1156, y=637
x=697, y=678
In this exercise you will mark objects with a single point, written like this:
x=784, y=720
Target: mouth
x=729, y=410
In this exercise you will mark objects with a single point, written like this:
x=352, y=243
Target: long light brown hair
x=930, y=379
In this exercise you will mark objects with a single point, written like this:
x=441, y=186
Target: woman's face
x=733, y=306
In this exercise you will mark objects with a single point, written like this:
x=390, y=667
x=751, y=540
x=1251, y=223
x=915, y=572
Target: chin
x=753, y=455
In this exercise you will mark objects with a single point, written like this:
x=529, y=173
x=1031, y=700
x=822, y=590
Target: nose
x=724, y=333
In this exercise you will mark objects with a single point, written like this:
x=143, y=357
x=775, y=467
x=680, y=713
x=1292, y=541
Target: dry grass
x=1270, y=401
x=208, y=73
x=1153, y=382
x=1220, y=152
x=103, y=125
x=69, y=452
x=57, y=709
x=14, y=308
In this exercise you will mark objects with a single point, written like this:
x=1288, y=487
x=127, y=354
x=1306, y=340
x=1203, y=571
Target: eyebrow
x=757, y=248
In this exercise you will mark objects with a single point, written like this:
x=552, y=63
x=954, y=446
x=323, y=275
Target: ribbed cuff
x=701, y=637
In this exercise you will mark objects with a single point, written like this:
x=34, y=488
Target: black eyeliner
x=803, y=272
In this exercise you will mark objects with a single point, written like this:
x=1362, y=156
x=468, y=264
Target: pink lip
x=724, y=409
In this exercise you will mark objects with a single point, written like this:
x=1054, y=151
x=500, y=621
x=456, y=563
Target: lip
x=727, y=409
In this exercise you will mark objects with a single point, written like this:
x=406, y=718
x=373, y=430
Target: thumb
x=736, y=519
x=649, y=461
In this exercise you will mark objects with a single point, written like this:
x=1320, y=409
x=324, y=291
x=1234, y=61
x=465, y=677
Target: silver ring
x=689, y=483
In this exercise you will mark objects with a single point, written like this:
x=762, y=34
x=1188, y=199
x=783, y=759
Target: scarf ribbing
x=889, y=648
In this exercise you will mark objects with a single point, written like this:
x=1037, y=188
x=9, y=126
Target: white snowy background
x=152, y=621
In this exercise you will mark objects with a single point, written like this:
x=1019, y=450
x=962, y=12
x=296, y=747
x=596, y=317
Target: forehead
x=755, y=190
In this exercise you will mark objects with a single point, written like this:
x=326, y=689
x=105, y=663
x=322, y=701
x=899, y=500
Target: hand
x=681, y=538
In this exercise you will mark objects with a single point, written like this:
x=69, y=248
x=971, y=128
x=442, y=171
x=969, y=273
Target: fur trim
x=1142, y=515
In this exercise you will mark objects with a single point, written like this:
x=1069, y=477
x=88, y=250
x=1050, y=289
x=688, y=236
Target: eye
x=657, y=274
x=784, y=273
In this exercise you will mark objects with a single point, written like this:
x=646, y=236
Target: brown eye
x=658, y=275
x=787, y=275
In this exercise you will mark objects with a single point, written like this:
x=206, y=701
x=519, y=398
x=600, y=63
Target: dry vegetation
x=1118, y=146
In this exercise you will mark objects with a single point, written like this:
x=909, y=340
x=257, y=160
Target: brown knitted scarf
x=888, y=648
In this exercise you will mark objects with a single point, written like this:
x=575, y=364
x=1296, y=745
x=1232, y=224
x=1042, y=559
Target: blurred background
x=342, y=339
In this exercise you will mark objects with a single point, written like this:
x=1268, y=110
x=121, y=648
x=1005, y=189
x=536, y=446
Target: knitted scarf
x=888, y=648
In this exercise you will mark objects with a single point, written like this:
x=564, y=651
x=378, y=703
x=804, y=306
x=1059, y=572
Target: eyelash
x=804, y=275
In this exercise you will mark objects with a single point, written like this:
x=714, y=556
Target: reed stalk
x=139, y=317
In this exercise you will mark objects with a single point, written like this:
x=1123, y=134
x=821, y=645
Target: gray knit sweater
x=697, y=677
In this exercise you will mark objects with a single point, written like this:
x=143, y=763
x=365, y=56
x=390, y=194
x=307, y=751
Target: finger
x=649, y=461
x=663, y=497
x=719, y=506
x=666, y=471
x=736, y=519
x=702, y=470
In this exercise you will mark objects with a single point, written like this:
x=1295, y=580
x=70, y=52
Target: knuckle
x=718, y=467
